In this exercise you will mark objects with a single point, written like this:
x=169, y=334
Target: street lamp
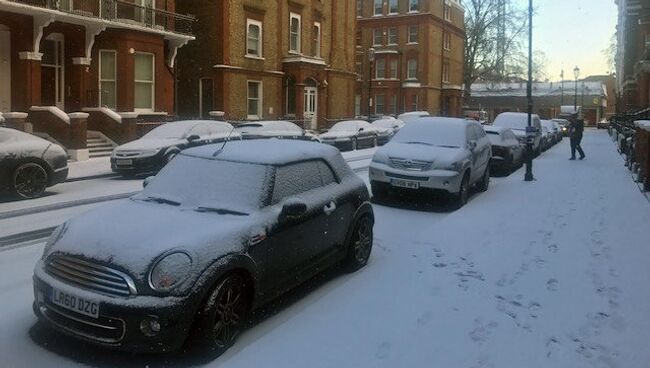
x=371, y=61
x=529, y=94
x=562, y=86
x=576, y=74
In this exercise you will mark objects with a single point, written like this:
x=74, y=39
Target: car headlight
x=454, y=166
x=148, y=153
x=54, y=237
x=169, y=271
x=380, y=159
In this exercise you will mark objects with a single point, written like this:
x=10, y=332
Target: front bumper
x=59, y=175
x=341, y=144
x=118, y=324
x=151, y=164
x=446, y=180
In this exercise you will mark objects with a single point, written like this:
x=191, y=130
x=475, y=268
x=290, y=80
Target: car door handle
x=329, y=208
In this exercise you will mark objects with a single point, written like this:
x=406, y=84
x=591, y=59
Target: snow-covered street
x=544, y=274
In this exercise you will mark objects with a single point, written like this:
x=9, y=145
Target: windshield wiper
x=160, y=200
x=446, y=146
x=220, y=211
x=416, y=142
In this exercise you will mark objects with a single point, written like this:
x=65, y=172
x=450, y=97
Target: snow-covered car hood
x=131, y=235
x=420, y=152
x=340, y=134
x=150, y=144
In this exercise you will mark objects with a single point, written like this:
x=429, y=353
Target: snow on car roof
x=496, y=129
x=271, y=125
x=265, y=152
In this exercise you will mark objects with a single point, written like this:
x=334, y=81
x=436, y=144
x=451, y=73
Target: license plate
x=405, y=184
x=75, y=303
x=124, y=162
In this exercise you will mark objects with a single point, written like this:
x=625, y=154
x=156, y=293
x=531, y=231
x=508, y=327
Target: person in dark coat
x=575, y=136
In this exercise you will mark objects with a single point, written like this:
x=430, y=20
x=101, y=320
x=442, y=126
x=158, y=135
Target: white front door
x=311, y=107
x=52, y=71
x=5, y=70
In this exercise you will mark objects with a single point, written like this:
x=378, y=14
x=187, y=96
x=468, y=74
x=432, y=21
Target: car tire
x=378, y=190
x=29, y=180
x=484, y=184
x=354, y=144
x=360, y=245
x=224, y=315
x=375, y=142
x=462, y=196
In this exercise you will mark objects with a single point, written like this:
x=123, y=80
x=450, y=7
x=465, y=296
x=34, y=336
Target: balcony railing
x=120, y=11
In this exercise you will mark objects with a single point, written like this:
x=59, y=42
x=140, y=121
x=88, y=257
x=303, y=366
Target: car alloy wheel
x=485, y=181
x=463, y=192
x=30, y=180
x=354, y=144
x=374, y=142
x=360, y=245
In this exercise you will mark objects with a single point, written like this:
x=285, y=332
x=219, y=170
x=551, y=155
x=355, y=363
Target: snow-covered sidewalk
x=551, y=273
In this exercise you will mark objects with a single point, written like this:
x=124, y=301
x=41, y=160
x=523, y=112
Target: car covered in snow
x=351, y=135
x=564, y=126
x=441, y=154
x=412, y=115
x=29, y=164
x=554, y=133
x=389, y=127
x=274, y=129
x=155, y=149
x=220, y=231
x=507, y=152
x=518, y=122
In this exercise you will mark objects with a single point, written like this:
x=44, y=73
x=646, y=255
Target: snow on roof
x=265, y=151
x=539, y=89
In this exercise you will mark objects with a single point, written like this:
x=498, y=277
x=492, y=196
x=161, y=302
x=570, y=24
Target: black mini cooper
x=218, y=232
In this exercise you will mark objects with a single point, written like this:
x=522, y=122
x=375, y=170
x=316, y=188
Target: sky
x=573, y=32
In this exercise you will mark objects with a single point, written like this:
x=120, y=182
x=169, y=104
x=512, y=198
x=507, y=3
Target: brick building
x=98, y=56
x=417, y=47
x=633, y=55
x=290, y=59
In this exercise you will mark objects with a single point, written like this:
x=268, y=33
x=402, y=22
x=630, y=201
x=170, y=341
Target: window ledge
x=254, y=57
x=412, y=43
x=413, y=12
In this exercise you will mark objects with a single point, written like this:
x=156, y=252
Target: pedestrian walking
x=575, y=136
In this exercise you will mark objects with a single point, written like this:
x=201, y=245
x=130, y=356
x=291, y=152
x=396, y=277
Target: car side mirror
x=361, y=129
x=193, y=138
x=146, y=181
x=293, y=209
x=471, y=145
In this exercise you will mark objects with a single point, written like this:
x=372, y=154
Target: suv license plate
x=124, y=162
x=75, y=303
x=405, y=184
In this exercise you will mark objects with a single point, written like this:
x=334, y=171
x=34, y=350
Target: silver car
x=442, y=154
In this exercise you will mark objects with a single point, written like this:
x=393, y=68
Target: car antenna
x=217, y=152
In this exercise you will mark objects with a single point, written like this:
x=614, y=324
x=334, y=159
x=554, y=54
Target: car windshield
x=169, y=131
x=514, y=122
x=442, y=135
x=384, y=123
x=202, y=183
x=345, y=126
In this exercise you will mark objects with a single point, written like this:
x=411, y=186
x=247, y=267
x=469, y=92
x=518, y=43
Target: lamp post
x=562, y=87
x=582, y=98
x=576, y=74
x=371, y=61
x=529, y=94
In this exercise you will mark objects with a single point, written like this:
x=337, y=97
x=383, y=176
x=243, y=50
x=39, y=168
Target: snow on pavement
x=544, y=274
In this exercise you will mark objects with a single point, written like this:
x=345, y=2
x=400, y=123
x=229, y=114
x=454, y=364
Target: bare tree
x=609, y=53
x=493, y=41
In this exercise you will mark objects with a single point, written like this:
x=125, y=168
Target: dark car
x=155, y=149
x=29, y=164
x=274, y=129
x=351, y=135
x=507, y=151
x=217, y=233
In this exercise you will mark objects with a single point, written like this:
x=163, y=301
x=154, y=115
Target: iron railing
x=120, y=11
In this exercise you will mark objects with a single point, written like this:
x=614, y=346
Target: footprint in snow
x=439, y=265
x=552, y=285
x=553, y=248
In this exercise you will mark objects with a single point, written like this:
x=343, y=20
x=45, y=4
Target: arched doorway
x=53, y=71
x=311, y=104
x=5, y=69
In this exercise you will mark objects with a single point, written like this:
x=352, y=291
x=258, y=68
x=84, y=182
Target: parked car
x=603, y=124
x=547, y=138
x=351, y=134
x=158, y=147
x=220, y=231
x=274, y=129
x=507, y=152
x=443, y=154
x=29, y=164
x=518, y=121
x=412, y=115
x=553, y=132
x=558, y=130
x=564, y=125
x=387, y=128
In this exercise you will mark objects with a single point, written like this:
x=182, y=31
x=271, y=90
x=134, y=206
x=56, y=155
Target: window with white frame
x=357, y=105
x=446, y=41
x=414, y=103
x=393, y=68
x=412, y=69
x=414, y=5
x=108, y=78
x=379, y=104
x=392, y=36
x=392, y=108
x=316, y=39
x=380, y=68
x=393, y=7
x=378, y=37
x=144, y=82
x=445, y=72
x=413, y=34
x=359, y=9
x=254, y=109
x=447, y=11
x=253, y=38
x=294, y=32
x=379, y=7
